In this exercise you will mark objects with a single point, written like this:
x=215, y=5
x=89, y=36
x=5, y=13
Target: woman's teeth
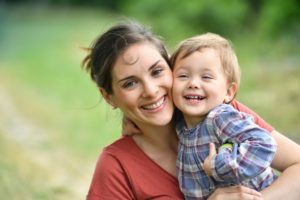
x=155, y=105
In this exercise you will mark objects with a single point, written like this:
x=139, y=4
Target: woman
x=131, y=68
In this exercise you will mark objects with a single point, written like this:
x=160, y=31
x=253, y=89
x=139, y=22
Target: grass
x=24, y=176
x=270, y=84
x=53, y=123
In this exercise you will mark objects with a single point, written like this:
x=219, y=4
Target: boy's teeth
x=193, y=97
x=155, y=105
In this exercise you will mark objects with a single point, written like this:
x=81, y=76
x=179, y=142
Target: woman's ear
x=107, y=97
x=231, y=92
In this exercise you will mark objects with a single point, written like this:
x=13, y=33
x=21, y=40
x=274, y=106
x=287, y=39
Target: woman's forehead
x=138, y=57
x=142, y=52
x=130, y=56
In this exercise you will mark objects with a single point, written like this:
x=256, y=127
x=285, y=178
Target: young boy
x=206, y=79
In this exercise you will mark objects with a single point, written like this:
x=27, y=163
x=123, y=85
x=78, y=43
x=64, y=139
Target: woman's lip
x=156, y=106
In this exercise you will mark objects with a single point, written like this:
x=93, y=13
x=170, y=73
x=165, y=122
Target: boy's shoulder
x=225, y=112
x=223, y=108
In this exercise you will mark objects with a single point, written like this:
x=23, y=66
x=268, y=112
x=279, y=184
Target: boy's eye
x=182, y=76
x=207, y=77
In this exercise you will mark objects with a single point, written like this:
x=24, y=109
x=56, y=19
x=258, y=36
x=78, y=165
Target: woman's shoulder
x=121, y=147
x=110, y=179
x=120, y=143
x=115, y=157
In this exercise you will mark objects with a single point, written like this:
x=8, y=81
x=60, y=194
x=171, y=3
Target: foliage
x=229, y=18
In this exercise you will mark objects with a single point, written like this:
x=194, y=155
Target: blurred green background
x=53, y=123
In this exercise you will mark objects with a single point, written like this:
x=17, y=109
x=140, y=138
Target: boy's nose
x=194, y=83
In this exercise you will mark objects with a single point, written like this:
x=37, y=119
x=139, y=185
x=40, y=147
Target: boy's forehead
x=188, y=52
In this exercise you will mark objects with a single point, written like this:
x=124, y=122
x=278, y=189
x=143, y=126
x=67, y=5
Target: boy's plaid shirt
x=224, y=124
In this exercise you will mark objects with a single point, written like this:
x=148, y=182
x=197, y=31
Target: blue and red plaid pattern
x=250, y=166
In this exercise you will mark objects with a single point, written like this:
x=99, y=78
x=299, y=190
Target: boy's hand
x=129, y=128
x=208, y=160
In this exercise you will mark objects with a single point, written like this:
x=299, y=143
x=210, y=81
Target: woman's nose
x=150, y=89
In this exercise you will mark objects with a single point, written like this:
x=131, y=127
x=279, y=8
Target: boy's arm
x=255, y=152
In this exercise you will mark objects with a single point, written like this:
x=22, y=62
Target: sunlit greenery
x=53, y=122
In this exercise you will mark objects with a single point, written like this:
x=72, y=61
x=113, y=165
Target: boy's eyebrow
x=130, y=77
x=206, y=69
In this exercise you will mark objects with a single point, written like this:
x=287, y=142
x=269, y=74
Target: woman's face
x=142, y=82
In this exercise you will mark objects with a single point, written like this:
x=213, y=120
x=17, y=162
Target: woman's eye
x=129, y=84
x=157, y=71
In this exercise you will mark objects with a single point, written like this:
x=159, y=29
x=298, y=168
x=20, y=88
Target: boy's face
x=199, y=84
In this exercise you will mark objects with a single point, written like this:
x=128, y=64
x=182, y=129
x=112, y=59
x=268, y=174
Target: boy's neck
x=191, y=122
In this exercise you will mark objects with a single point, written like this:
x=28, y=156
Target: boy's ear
x=231, y=92
x=107, y=97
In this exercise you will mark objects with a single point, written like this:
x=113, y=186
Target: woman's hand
x=235, y=193
x=129, y=128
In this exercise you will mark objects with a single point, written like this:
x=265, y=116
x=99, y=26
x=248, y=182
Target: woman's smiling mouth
x=155, y=105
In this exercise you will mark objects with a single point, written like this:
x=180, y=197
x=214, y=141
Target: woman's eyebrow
x=153, y=65
x=126, y=78
x=130, y=77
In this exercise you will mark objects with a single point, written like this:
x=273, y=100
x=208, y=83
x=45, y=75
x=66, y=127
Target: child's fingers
x=129, y=128
x=207, y=162
x=212, y=149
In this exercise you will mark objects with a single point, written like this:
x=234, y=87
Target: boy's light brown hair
x=222, y=46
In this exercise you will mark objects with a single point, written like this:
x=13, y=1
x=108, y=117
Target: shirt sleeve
x=109, y=180
x=257, y=119
x=255, y=152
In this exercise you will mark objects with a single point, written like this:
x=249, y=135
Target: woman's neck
x=159, y=136
x=159, y=144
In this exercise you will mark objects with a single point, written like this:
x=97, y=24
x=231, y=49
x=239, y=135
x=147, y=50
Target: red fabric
x=258, y=120
x=124, y=171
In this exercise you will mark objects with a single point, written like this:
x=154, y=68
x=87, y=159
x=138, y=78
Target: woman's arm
x=235, y=192
x=287, y=160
